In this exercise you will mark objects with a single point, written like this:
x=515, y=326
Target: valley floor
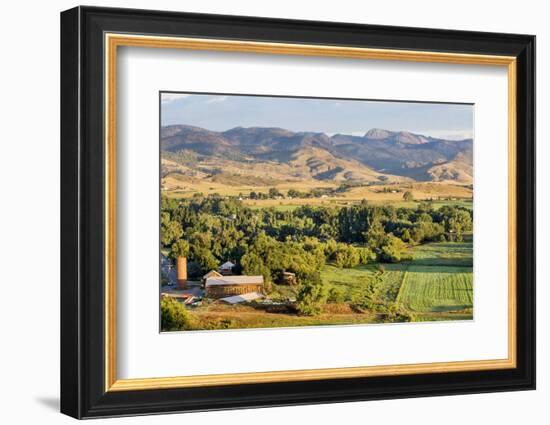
x=442, y=193
x=437, y=284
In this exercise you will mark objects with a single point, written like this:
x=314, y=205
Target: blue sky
x=222, y=112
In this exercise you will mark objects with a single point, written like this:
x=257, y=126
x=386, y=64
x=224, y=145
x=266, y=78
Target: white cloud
x=438, y=134
x=447, y=134
x=170, y=97
x=216, y=99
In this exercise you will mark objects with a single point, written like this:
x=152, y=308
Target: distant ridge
x=377, y=134
x=378, y=153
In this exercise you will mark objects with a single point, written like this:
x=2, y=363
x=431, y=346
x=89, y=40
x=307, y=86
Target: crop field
x=437, y=284
x=436, y=289
x=353, y=281
x=443, y=254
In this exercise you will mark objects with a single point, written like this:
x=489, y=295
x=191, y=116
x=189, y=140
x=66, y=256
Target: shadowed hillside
x=283, y=155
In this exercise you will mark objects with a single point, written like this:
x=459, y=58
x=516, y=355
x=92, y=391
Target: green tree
x=376, y=235
x=312, y=294
x=180, y=248
x=173, y=316
x=346, y=256
x=460, y=222
x=274, y=192
x=205, y=259
x=408, y=196
x=424, y=218
x=366, y=300
x=336, y=295
x=293, y=193
x=394, y=250
x=406, y=236
x=170, y=231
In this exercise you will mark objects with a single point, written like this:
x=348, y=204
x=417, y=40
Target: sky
x=330, y=116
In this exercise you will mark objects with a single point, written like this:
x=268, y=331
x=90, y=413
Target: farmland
x=278, y=228
x=180, y=186
x=436, y=284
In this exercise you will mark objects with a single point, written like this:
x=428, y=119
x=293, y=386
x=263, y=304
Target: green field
x=443, y=254
x=437, y=284
x=353, y=281
x=436, y=289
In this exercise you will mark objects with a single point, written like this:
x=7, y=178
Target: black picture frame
x=83, y=392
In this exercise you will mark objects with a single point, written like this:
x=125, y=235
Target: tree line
x=212, y=230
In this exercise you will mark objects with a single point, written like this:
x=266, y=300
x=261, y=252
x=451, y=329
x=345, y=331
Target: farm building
x=181, y=267
x=211, y=273
x=219, y=287
x=227, y=268
x=237, y=299
x=287, y=278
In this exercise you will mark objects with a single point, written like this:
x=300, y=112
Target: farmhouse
x=219, y=287
x=227, y=268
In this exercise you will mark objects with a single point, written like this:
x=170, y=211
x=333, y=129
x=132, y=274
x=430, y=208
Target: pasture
x=181, y=187
x=436, y=289
x=289, y=205
x=437, y=284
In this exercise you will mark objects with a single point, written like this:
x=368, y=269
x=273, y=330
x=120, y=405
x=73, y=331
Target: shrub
x=408, y=196
x=346, y=256
x=173, y=315
x=312, y=294
x=336, y=295
x=395, y=314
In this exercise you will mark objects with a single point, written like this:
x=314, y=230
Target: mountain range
x=276, y=153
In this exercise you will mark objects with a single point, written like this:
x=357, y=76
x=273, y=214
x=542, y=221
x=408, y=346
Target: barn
x=211, y=273
x=224, y=286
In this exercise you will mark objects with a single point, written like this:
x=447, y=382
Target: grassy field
x=443, y=254
x=220, y=316
x=286, y=205
x=437, y=284
x=353, y=281
x=178, y=186
x=436, y=289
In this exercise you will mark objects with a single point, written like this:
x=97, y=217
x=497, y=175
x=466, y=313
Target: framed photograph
x=261, y=212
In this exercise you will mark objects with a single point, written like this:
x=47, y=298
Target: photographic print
x=290, y=211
